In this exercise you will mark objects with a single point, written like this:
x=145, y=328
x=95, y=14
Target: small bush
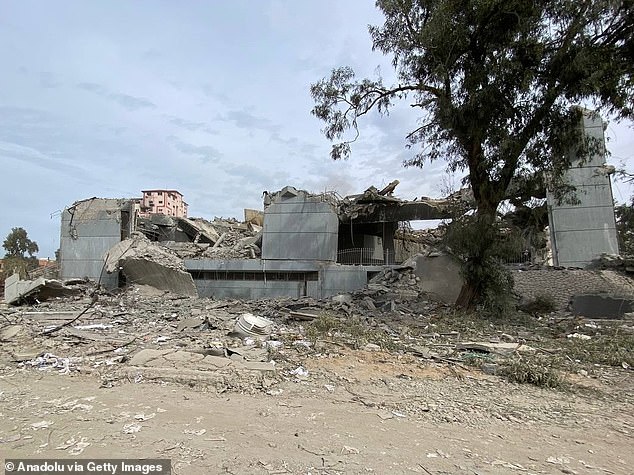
x=540, y=305
x=536, y=371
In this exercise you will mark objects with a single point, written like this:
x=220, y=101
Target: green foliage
x=625, y=227
x=20, y=253
x=612, y=348
x=495, y=82
x=470, y=238
x=349, y=331
x=18, y=265
x=18, y=244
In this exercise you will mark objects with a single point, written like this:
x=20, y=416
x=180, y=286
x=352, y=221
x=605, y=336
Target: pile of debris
x=196, y=238
x=615, y=261
x=18, y=292
x=144, y=262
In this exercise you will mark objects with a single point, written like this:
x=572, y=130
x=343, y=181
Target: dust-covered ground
x=441, y=423
x=333, y=387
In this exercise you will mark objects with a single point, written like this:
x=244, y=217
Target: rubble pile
x=145, y=262
x=431, y=237
x=18, y=291
x=237, y=240
x=141, y=334
x=217, y=239
x=614, y=261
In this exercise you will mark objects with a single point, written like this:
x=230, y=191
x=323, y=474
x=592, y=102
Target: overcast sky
x=207, y=97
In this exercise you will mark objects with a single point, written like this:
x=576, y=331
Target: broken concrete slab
x=49, y=315
x=501, y=348
x=26, y=354
x=8, y=332
x=146, y=272
x=199, y=230
x=144, y=356
x=601, y=305
x=440, y=276
x=18, y=291
x=190, y=323
x=173, y=359
x=146, y=263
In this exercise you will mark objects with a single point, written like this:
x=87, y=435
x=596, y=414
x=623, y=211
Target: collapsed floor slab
x=146, y=263
x=17, y=291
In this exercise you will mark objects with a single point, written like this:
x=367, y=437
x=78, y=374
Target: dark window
x=261, y=276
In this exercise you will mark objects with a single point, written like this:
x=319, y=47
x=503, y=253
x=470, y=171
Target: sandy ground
x=429, y=420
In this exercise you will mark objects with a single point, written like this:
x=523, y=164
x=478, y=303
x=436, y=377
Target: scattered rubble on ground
x=142, y=334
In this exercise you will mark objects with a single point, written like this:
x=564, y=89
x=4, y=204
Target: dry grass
x=538, y=371
x=352, y=332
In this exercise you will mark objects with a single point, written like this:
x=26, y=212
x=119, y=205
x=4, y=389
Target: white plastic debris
x=94, y=326
x=41, y=425
x=299, y=371
x=249, y=324
x=275, y=344
x=131, y=428
x=49, y=361
x=580, y=336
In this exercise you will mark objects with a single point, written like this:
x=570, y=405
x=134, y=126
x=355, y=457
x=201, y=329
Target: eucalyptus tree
x=494, y=82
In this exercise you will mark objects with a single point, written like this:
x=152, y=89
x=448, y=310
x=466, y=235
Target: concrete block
x=439, y=276
x=601, y=305
x=144, y=272
x=145, y=356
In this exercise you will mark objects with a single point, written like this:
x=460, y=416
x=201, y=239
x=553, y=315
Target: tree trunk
x=467, y=297
x=471, y=291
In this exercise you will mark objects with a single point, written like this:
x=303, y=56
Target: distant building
x=45, y=262
x=167, y=202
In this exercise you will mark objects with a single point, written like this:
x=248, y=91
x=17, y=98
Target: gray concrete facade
x=582, y=232
x=440, y=276
x=300, y=226
x=89, y=229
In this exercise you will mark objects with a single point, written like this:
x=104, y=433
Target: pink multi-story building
x=168, y=202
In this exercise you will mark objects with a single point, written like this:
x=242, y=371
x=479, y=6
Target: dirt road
x=386, y=421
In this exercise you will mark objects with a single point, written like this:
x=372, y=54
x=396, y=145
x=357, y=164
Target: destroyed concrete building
x=304, y=244
x=314, y=245
x=89, y=229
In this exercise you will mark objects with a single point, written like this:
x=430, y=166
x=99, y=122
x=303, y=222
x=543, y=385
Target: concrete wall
x=331, y=279
x=88, y=231
x=300, y=227
x=440, y=277
x=338, y=279
x=582, y=232
x=245, y=289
